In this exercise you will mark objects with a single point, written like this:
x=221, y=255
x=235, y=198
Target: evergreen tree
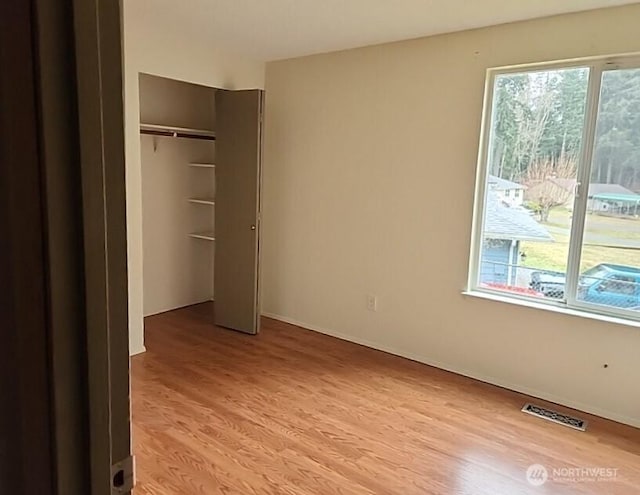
x=538, y=117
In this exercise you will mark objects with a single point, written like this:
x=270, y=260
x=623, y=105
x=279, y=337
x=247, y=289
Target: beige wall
x=369, y=179
x=154, y=44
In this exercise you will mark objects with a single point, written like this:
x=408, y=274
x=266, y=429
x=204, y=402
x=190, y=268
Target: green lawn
x=545, y=255
x=617, y=234
x=553, y=255
x=620, y=227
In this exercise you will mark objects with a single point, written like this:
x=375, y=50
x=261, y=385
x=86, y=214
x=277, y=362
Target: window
x=569, y=138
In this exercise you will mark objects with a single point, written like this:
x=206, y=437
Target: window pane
x=536, y=131
x=610, y=258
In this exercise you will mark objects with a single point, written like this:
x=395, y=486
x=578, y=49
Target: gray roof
x=594, y=188
x=499, y=184
x=505, y=222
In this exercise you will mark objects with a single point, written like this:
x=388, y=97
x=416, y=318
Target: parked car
x=606, y=284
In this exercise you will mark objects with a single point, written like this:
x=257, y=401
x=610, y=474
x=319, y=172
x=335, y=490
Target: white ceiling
x=277, y=29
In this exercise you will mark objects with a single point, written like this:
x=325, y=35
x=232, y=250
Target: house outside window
x=557, y=216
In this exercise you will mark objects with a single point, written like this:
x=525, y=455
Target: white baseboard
x=588, y=408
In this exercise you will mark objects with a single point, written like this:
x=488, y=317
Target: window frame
x=597, y=66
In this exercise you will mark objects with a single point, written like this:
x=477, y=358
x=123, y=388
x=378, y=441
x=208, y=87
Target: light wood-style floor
x=295, y=412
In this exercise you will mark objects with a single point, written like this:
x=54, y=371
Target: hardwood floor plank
x=295, y=412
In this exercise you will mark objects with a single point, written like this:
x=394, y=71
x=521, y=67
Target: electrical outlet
x=372, y=302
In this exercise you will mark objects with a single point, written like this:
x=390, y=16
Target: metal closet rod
x=177, y=134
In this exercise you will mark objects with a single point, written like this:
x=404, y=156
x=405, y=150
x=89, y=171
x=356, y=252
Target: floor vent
x=555, y=416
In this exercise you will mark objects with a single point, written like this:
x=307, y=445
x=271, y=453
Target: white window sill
x=554, y=308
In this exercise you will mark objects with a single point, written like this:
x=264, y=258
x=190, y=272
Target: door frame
x=64, y=358
x=99, y=60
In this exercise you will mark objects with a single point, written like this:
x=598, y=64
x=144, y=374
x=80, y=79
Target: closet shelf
x=207, y=236
x=202, y=201
x=174, y=131
x=202, y=165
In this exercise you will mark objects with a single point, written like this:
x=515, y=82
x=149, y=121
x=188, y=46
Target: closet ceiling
x=276, y=29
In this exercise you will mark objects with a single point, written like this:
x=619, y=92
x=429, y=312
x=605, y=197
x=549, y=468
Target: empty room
x=342, y=247
x=404, y=267
x=436, y=289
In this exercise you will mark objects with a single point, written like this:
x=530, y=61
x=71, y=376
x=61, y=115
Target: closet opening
x=200, y=150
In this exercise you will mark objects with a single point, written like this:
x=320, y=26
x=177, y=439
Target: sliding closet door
x=238, y=156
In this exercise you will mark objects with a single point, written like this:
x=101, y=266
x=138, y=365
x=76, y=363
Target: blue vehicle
x=606, y=284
